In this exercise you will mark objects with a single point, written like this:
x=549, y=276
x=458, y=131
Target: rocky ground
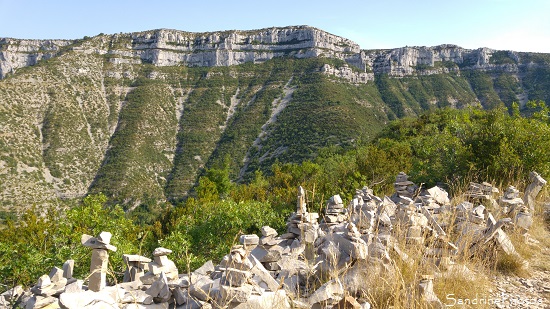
x=352, y=258
x=517, y=292
x=532, y=290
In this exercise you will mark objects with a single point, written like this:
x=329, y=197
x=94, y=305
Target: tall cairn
x=100, y=259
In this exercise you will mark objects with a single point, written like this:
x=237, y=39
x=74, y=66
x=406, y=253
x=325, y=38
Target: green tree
x=44, y=238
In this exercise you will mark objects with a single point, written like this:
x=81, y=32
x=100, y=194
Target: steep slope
x=54, y=129
x=139, y=116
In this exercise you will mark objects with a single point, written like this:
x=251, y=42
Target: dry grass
x=401, y=289
x=469, y=277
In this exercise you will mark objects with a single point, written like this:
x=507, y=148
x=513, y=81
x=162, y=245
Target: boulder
x=85, y=299
x=275, y=300
x=332, y=290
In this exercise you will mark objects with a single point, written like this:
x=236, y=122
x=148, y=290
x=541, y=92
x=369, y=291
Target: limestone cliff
x=432, y=60
x=16, y=53
x=164, y=47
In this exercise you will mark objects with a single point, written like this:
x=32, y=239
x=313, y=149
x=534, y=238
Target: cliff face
x=165, y=47
x=139, y=116
x=15, y=54
x=172, y=47
x=412, y=60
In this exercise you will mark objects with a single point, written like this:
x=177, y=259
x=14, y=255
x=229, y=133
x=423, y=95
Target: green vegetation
x=482, y=85
x=508, y=88
x=144, y=135
x=444, y=147
x=502, y=57
x=39, y=241
x=536, y=82
x=137, y=161
x=454, y=144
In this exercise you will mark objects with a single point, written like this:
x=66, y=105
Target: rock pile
x=312, y=265
x=160, y=265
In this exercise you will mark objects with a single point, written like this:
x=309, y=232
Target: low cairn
x=315, y=264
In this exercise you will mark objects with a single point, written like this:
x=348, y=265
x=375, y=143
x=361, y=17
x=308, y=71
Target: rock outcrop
x=166, y=47
x=15, y=53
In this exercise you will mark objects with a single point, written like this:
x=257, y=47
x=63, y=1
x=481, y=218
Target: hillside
x=139, y=116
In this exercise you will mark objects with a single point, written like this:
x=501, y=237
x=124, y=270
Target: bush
x=208, y=230
x=42, y=239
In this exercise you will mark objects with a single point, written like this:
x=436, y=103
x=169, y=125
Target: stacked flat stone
x=301, y=224
x=245, y=283
x=160, y=290
x=463, y=210
x=468, y=222
x=480, y=191
x=294, y=220
x=259, y=273
x=68, y=267
x=297, y=217
x=365, y=199
x=514, y=206
x=442, y=251
x=301, y=206
x=235, y=287
x=269, y=236
x=426, y=292
x=309, y=228
x=236, y=259
x=334, y=211
x=510, y=202
x=479, y=228
x=386, y=212
x=49, y=287
x=404, y=189
x=365, y=209
x=160, y=264
x=11, y=296
x=477, y=215
x=100, y=259
x=379, y=257
x=360, y=248
x=136, y=265
x=365, y=220
x=249, y=241
x=271, y=249
x=475, y=191
x=411, y=217
x=434, y=199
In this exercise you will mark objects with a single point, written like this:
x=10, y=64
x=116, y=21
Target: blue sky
x=520, y=25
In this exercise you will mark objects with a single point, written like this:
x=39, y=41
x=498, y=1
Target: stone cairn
x=349, y=247
x=100, y=259
x=136, y=267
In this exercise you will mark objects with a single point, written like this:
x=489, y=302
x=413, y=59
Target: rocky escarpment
x=170, y=47
x=414, y=61
x=435, y=60
x=15, y=54
x=164, y=47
